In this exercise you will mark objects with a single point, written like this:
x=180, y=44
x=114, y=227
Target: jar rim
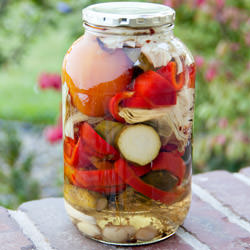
x=128, y=14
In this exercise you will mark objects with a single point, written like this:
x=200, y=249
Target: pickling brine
x=128, y=106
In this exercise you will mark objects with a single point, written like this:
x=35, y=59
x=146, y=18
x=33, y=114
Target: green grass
x=20, y=98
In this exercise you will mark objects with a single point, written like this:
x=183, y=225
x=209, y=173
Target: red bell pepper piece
x=100, y=163
x=97, y=178
x=155, y=89
x=136, y=102
x=74, y=153
x=97, y=143
x=70, y=151
x=192, y=72
x=141, y=170
x=169, y=72
x=69, y=172
x=100, y=178
x=102, y=181
x=172, y=163
x=93, y=178
x=115, y=101
x=129, y=177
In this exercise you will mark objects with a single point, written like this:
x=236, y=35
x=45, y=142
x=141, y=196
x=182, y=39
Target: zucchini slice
x=108, y=130
x=139, y=143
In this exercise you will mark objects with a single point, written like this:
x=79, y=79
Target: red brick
x=245, y=171
x=213, y=229
x=11, y=236
x=227, y=189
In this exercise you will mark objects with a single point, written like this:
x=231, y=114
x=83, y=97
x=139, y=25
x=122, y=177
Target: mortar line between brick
x=30, y=230
x=208, y=198
x=242, y=178
x=191, y=240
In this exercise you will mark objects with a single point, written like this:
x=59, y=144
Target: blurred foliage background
x=35, y=35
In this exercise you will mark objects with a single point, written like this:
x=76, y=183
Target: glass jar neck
x=128, y=31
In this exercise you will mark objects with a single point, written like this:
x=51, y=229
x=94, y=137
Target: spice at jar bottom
x=128, y=107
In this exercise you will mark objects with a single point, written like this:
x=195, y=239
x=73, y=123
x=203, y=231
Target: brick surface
x=213, y=228
x=206, y=227
x=11, y=236
x=51, y=219
x=228, y=190
x=172, y=243
x=245, y=171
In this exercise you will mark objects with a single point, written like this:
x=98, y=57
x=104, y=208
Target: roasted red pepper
x=90, y=148
x=141, y=170
x=69, y=172
x=96, y=143
x=103, y=181
x=155, y=89
x=97, y=178
x=71, y=151
x=100, y=163
x=192, y=71
x=100, y=178
x=74, y=153
x=115, y=101
x=126, y=173
x=151, y=90
x=137, y=102
x=172, y=163
x=126, y=99
x=169, y=72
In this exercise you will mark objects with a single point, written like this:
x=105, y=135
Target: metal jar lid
x=128, y=14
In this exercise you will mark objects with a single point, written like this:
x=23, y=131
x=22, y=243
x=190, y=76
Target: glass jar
x=128, y=105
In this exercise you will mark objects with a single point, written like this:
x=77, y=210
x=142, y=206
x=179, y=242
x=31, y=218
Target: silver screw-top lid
x=129, y=14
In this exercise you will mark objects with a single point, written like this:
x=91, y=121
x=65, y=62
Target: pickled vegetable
x=161, y=179
x=80, y=197
x=109, y=130
x=157, y=90
x=146, y=233
x=128, y=105
x=169, y=72
x=139, y=144
x=92, y=89
x=126, y=173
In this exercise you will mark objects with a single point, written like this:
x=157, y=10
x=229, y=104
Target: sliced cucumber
x=139, y=144
x=108, y=130
x=161, y=179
